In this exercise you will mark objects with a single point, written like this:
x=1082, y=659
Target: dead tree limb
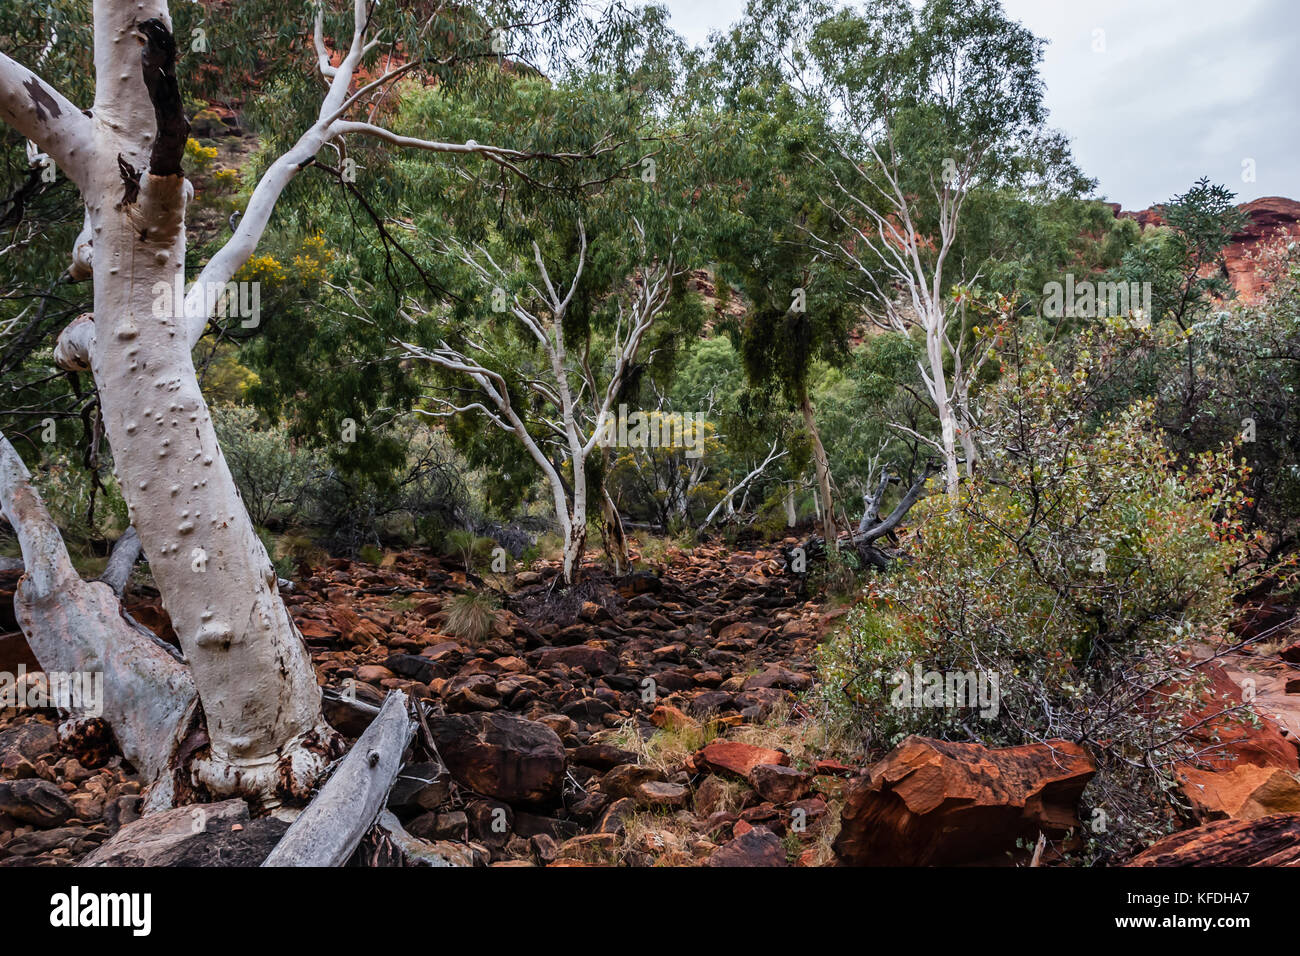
x=741, y=486
x=416, y=851
x=76, y=626
x=126, y=551
x=328, y=831
x=872, y=527
x=871, y=503
x=913, y=494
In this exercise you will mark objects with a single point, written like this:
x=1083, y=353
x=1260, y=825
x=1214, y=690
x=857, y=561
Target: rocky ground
x=636, y=721
x=652, y=720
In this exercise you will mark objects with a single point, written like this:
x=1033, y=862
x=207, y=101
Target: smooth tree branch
x=47, y=118
x=79, y=627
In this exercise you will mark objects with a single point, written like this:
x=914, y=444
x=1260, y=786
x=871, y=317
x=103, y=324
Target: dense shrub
x=284, y=485
x=1249, y=364
x=1077, y=567
x=86, y=504
x=273, y=476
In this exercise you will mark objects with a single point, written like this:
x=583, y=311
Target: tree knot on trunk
x=158, y=60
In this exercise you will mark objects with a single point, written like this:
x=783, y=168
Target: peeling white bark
x=75, y=343
x=254, y=675
x=260, y=698
x=83, y=253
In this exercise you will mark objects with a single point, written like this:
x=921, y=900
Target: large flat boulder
x=28, y=740
x=1246, y=792
x=734, y=757
x=757, y=846
x=208, y=834
x=35, y=802
x=497, y=755
x=932, y=802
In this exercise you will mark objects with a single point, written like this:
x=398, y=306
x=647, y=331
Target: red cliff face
x=1270, y=219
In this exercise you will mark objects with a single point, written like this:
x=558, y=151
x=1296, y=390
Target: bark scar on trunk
x=130, y=182
x=158, y=59
x=41, y=99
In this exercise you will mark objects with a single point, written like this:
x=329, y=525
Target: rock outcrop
x=931, y=802
x=1268, y=219
x=1246, y=792
x=1273, y=840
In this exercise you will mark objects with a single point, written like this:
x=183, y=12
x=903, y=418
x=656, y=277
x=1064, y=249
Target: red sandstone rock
x=1246, y=792
x=1269, y=841
x=931, y=802
x=734, y=757
x=1237, y=740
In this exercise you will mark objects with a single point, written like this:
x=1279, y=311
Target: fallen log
x=328, y=831
x=870, y=529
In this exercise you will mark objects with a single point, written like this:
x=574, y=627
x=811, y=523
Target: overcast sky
x=1167, y=92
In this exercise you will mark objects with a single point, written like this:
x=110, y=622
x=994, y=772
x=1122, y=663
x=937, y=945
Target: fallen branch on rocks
x=729, y=497
x=416, y=851
x=329, y=830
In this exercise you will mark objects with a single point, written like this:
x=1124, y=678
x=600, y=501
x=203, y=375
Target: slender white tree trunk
x=938, y=385
x=575, y=538
x=575, y=543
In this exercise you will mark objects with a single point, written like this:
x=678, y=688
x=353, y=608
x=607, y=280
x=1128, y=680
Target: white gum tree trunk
x=256, y=687
x=891, y=246
x=255, y=678
x=822, y=469
x=77, y=627
x=936, y=381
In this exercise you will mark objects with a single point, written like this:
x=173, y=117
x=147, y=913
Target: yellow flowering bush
x=197, y=156
x=264, y=268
